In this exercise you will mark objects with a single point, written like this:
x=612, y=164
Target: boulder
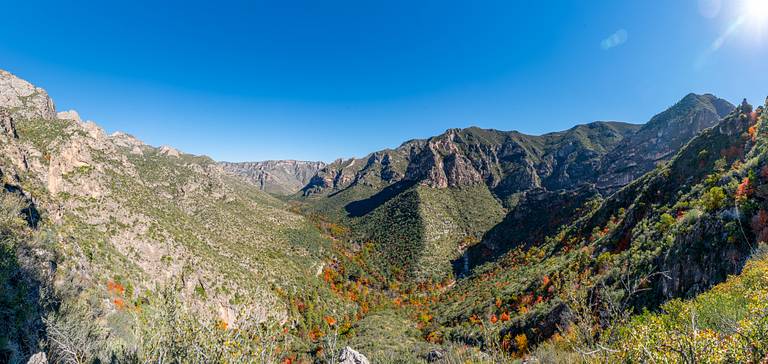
x=350, y=356
x=39, y=358
x=435, y=355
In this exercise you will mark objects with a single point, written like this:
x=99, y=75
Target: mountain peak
x=24, y=99
x=658, y=139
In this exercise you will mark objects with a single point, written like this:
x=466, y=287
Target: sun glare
x=756, y=12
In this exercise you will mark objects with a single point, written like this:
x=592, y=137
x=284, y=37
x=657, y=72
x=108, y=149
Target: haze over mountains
x=474, y=245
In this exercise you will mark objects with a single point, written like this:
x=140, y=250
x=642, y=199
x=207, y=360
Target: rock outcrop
x=24, y=99
x=350, y=356
x=7, y=126
x=39, y=358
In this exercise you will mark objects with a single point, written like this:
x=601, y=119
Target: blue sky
x=317, y=80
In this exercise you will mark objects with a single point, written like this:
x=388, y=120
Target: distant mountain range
x=282, y=177
x=514, y=178
x=620, y=152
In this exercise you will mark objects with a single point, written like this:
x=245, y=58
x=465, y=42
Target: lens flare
x=756, y=13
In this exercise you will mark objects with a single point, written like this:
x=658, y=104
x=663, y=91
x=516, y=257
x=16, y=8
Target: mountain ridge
x=503, y=170
x=282, y=177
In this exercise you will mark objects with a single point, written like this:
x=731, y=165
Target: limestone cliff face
x=283, y=177
x=378, y=169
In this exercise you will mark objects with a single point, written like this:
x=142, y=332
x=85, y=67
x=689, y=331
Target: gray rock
x=7, y=127
x=350, y=356
x=69, y=115
x=23, y=98
x=39, y=358
x=435, y=355
x=659, y=139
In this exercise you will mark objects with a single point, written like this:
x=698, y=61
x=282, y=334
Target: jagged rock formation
x=507, y=162
x=350, y=356
x=22, y=97
x=610, y=154
x=282, y=177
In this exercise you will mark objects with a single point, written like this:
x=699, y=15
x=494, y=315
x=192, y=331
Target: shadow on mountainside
x=539, y=214
x=22, y=268
x=30, y=212
x=363, y=207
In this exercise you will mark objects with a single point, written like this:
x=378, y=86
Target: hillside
x=128, y=219
x=282, y=177
x=673, y=233
x=660, y=138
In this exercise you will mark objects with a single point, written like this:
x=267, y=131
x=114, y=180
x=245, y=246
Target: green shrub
x=665, y=222
x=713, y=200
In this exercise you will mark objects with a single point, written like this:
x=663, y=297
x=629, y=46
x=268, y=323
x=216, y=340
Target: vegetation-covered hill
x=672, y=233
x=130, y=221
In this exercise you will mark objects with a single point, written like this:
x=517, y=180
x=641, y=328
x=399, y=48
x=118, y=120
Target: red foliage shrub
x=119, y=303
x=115, y=288
x=752, y=132
x=744, y=190
x=330, y=320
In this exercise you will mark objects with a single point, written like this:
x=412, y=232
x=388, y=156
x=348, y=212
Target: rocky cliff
x=282, y=177
x=609, y=154
x=506, y=162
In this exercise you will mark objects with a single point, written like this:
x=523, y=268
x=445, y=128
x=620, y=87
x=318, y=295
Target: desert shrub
x=74, y=336
x=666, y=221
x=713, y=199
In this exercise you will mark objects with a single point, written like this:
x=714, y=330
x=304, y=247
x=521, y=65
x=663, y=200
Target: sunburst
x=755, y=14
